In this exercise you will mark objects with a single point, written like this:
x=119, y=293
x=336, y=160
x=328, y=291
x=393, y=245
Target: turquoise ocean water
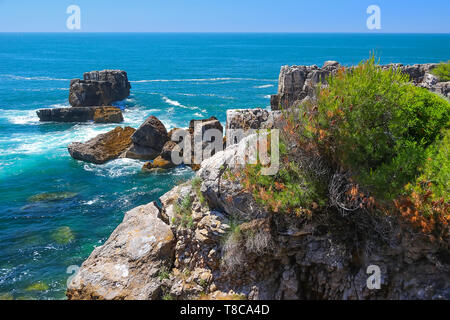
x=175, y=77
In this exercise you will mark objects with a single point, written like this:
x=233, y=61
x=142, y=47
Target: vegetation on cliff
x=370, y=144
x=442, y=71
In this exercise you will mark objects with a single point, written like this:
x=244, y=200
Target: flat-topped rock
x=99, y=88
x=97, y=114
x=104, y=147
x=66, y=114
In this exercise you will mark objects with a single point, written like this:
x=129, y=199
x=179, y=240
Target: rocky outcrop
x=297, y=83
x=104, y=147
x=99, y=88
x=66, y=114
x=241, y=122
x=148, y=140
x=108, y=115
x=128, y=264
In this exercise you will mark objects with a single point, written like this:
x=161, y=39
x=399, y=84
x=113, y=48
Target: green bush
x=442, y=71
x=375, y=124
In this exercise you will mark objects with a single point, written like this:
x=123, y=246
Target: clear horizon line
x=220, y=32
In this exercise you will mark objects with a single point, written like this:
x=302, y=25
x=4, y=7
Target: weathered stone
x=139, y=152
x=158, y=163
x=108, y=115
x=104, y=147
x=243, y=120
x=151, y=134
x=66, y=114
x=127, y=265
x=99, y=88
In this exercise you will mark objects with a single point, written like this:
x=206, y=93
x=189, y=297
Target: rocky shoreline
x=174, y=247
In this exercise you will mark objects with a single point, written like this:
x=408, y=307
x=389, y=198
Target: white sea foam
x=200, y=80
x=177, y=104
x=264, y=86
x=116, y=168
x=15, y=77
x=267, y=96
x=19, y=116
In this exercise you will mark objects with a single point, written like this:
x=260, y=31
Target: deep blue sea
x=175, y=77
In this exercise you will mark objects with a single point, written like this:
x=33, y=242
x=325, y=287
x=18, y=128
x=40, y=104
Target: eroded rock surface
x=127, y=265
x=104, y=147
x=99, y=88
x=298, y=83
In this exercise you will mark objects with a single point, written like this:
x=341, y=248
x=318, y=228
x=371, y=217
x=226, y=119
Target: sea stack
x=91, y=97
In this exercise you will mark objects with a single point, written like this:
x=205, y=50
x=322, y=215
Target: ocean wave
x=200, y=80
x=263, y=86
x=20, y=116
x=15, y=77
x=267, y=96
x=205, y=95
x=116, y=168
x=177, y=104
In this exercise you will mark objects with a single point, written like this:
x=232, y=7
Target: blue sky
x=431, y=16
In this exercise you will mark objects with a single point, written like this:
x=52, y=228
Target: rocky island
x=91, y=98
x=228, y=235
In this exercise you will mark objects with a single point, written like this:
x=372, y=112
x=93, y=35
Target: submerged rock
x=99, y=88
x=127, y=265
x=38, y=286
x=104, y=147
x=52, y=196
x=63, y=235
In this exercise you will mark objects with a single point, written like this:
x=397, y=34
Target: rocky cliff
x=210, y=239
x=271, y=256
x=297, y=83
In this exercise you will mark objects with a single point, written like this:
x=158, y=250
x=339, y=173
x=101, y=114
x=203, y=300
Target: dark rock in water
x=166, y=152
x=138, y=152
x=108, y=115
x=104, y=147
x=82, y=114
x=66, y=114
x=151, y=134
x=99, y=88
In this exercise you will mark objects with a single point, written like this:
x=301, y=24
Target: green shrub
x=184, y=214
x=374, y=123
x=196, y=185
x=442, y=71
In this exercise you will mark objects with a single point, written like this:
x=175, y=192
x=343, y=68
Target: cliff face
x=210, y=239
x=297, y=83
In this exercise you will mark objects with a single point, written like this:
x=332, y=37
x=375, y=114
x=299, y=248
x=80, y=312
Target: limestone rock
x=108, y=115
x=99, y=88
x=127, y=265
x=104, y=147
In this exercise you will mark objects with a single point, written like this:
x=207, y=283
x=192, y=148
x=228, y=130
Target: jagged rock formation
x=297, y=83
x=87, y=96
x=99, y=88
x=104, y=147
x=148, y=140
